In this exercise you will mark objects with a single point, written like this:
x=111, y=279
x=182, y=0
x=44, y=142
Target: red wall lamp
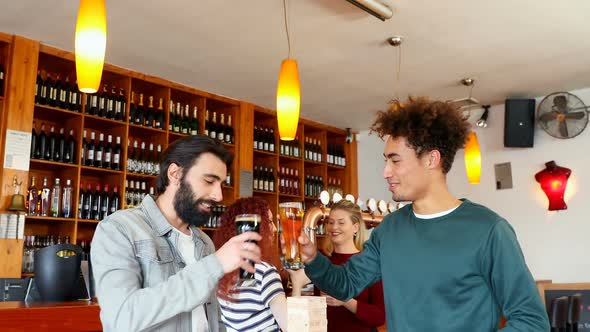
x=553, y=180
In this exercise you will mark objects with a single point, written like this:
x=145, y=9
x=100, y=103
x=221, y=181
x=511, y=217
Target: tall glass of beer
x=291, y=216
x=247, y=223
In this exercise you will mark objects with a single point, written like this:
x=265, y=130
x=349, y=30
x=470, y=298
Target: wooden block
x=11, y=256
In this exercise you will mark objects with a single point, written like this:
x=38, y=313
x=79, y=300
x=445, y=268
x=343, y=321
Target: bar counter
x=50, y=316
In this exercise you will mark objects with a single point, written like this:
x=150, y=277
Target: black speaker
x=519, y=123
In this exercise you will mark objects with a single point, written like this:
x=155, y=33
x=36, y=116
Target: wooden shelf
x=264, y=192
x=290, y=196
x=141, y=176
x=146, y=130
x=335, y=167
x=49, y=219
x=314, y=163
x=96, y=118
x=57, y=109
x=227, y=187
x=52, y=165
x=227, y=145
x=282, y=156
x=265, y=153
x=173, y=133
x=88, y=221
x=90, y=170
x=27, y=275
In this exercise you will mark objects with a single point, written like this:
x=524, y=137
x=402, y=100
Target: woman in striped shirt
x=261, y=306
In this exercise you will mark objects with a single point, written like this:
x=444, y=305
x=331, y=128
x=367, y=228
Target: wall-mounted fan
x=562, y=115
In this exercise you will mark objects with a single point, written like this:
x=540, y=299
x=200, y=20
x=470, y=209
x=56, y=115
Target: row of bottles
x=181, y=122
x=57, y=93
x=147, y=117
x=313, y=149
x=135, y=192
x=289, y=181
x=264, y=178
x=99, y=204
x=314, y=184
x=142, y=161
x=108, y=104
x=215, y=218
x=52, y=147
x=290, y=148
x=221, y=131
x=335, y=186
x=335, y=155
x=33, y=243
x=103, y=155
x=50, y=202
x=264, y=139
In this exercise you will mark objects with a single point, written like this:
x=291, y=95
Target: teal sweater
x=458, y=272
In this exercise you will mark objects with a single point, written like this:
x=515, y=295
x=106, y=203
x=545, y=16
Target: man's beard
x=187, y=208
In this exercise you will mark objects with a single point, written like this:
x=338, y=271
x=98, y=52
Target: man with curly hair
x=447, y=264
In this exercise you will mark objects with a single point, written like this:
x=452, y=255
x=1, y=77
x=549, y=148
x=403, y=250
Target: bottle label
x=116, y=158
x=62, y=96
x=94, y=101
x=98, y=156
x=227, y=138
x=107, y=157
x=90, y=155
x=110, y=105
x=118, y=106
x=194, y=132
x=220, y=136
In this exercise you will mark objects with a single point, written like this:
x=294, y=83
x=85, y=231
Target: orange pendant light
x=91, y=41
x=288, y=100
x=472, y=159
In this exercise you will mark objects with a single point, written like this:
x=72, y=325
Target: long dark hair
x=227, y=230
x=184, y=152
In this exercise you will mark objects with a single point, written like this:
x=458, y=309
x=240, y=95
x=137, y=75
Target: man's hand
x=308, y=248
x=234, y=253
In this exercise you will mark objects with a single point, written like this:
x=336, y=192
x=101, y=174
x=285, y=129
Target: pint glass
x=291, y=216
x=247, y=223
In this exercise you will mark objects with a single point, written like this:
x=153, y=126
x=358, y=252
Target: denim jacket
x=142, y=282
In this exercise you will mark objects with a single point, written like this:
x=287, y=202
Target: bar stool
x=558, y=314
x=574, y=303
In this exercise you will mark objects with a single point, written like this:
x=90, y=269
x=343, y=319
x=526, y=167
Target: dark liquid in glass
x=247, y=223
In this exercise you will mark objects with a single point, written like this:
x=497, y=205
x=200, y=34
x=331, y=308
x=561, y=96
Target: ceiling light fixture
x=464, y=104
x=288, y=92
x=396, y=41
x=90, y=44
x=374, y=7
x=483, y=120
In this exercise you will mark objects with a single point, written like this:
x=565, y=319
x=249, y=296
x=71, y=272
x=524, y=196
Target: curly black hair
x=427, y=125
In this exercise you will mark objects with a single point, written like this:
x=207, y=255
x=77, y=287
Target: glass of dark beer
x=247, y=223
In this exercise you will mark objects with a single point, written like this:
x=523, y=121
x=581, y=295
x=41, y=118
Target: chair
x=558, y=314
x=574, y=304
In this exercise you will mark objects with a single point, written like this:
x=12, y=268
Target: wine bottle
x=117, y=155
x=32, y=198
x=66, y=201
x=50, y=150
x=195, y=123
x=213, y=126
x=88, y=201
x=75, y=103
x=45, y=199
x=51, y=92
x=111, y=103
x=119, y=104
x=229, y=132
x=99, y=152
x=38, y=87
x=206, y=123
x=60, y=149
x=92, y=104
x=132, y=109
x=221, y=129
x=171, y=116
x=81, y=201
x=70, y=148
x=108, y=153
x=139, y=112
x=55, y=199
x=96, y=203
x=114, y=206
x=149, y=113
x=84, y=149
x=104, y=203
x=159, y=117
x=1, y=80
x=34, y=146
x=102, y=102
x=90, y=148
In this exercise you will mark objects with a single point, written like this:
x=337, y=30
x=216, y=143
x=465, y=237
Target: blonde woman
x=346, y=230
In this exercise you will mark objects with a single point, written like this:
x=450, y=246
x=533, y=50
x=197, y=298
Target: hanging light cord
x=399, y=69
x=287, y=27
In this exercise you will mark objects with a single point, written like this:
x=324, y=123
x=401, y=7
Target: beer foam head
x=248, y=217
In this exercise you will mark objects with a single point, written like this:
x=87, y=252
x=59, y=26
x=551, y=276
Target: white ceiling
x=234, y=48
